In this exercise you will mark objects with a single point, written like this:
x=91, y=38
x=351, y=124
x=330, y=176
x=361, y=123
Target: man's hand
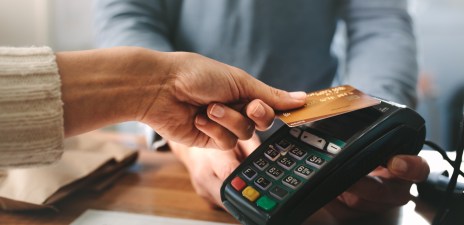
x=386, y=188
x=208, y=168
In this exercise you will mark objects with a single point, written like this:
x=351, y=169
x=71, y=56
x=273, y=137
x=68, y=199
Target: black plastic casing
x=398, y=130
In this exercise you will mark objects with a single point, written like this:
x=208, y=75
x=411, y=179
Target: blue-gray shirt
x=286, y=44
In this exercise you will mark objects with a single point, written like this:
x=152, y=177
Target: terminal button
x=286, y=162
x=295, y=132
x=274, y=172
x=271, y=153
x=266, y=203
x=315, y=160
x=313, y=140
x=291, y=182
x=283, y=145
x=250, y=194
x=262, y=183
x=303, y=171
x=238, y=184
x=297, y=153
x=333, y=148
x=249, y=173
x=261, y=163
x=278, y=192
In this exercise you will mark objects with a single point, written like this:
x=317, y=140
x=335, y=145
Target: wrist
x=107, y=86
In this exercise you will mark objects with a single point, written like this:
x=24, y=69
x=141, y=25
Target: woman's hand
x=184, y=97
x=202, y=103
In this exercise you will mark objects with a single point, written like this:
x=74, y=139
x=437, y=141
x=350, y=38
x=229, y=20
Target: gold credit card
x=327, y=103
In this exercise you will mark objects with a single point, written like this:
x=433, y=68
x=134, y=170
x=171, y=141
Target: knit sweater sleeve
x=31, y=113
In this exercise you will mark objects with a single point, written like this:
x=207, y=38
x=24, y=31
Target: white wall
x=61, y=24
x=24, y=22
x=72, y=24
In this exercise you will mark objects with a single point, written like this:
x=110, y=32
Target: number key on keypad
x=297, y=153
x=315, y=160
x=291, y=182
x=303, y=171
x=262, y=183
x=274, y=172
x=271, y=153
x=286, y=162
x=261, y=163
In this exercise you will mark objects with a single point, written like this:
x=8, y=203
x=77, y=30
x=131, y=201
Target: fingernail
x=258, y=111
x=298, y=95
x=200, y=120
x=399, y=165
x=217, y=111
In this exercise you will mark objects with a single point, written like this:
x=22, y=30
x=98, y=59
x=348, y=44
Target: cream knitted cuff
x=31, y=112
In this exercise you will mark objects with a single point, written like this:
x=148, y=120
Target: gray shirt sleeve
x=140, y=23
x=381, y=52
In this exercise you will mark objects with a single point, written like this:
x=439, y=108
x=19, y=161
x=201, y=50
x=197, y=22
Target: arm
x=168, y=91
x=381, y=54
x=135, y=23
x=143, y=23
x=99, y=89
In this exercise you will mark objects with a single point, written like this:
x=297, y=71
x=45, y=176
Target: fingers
x=225, y=125
x=217, y=136
x=261, y=114
x=251, y=88
x=242, y=127
x=362, y=205
x=371, y=193
x=279, y=99
x=410, y=168
x=385, y=188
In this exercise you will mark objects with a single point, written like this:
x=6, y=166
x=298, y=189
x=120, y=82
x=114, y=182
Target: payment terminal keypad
x=284, y=167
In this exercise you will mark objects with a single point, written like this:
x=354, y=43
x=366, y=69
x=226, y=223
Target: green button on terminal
x=266, y=203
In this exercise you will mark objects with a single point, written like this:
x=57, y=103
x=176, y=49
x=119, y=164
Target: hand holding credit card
x=327, y=103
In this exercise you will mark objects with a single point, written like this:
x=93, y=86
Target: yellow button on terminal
x=250, y=193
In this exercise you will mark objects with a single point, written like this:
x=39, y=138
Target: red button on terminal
x=238, y=184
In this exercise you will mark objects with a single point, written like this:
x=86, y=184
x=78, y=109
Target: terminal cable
x=445, y=209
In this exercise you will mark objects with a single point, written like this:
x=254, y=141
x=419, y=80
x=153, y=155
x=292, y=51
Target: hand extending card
x=327, y=103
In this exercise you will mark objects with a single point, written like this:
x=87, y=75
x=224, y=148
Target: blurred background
x=439, y=25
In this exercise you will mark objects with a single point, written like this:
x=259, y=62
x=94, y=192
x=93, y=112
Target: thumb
x=410, y=168
x=276, y=98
